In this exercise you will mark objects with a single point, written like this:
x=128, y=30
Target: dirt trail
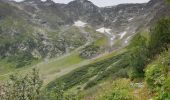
x=137, y=95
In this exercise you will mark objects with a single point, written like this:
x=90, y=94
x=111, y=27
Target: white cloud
x=103, y=3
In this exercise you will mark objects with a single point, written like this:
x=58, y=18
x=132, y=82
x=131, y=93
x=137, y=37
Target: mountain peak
x=81, y=2
x=37, y=1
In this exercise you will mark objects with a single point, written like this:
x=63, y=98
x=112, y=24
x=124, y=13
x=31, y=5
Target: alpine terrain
x=79, y=51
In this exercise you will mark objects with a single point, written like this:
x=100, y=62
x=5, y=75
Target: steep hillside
x=131, y=63
x=31, y=38
x=79, y=48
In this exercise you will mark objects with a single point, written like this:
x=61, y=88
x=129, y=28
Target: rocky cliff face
x=38, y=29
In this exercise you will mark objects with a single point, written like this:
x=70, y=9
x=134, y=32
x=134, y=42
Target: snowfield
x=80, y=23
x=104, y=30
x=130, y=19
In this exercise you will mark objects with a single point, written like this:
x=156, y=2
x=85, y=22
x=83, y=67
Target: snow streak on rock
x=122, y=34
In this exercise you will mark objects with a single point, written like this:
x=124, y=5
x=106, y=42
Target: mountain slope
x=117, y=65
x=33, y=30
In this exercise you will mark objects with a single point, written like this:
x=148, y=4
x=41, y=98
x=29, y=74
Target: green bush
x=155, y=76
x=115, y=71
x=21, y=59
x=165, y=93
x=141, y=52
x=138, y=56
x=22, y=88
x=120, y=91
x=90, y=51
x=57, y=93
x=160, y=36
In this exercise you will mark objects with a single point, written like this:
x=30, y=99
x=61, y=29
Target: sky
x=103, y=3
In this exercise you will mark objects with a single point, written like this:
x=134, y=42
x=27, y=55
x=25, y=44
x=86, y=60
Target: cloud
x=103, y=3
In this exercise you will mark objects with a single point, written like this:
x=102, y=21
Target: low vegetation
x=157, y=77
x=138, y=57
x=22, y=88
x=90, y=51
x=121, y=90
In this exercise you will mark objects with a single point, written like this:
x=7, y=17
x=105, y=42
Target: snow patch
x=104, y=30
x=113, y=37
x=80, y=23
x=127, y=40
x=130, y=19
x=122, y=34
x=114, y=20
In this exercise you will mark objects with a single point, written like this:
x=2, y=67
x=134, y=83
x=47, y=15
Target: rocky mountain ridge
x=123, y=18
x=45, y=29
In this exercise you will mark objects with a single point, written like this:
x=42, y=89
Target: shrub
x=160, y=36
x=22, y=88
x=21, y=59
x=138, y=56
x=155, y=76
x=120, y=91
x=166, y=89
x=90, y=51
